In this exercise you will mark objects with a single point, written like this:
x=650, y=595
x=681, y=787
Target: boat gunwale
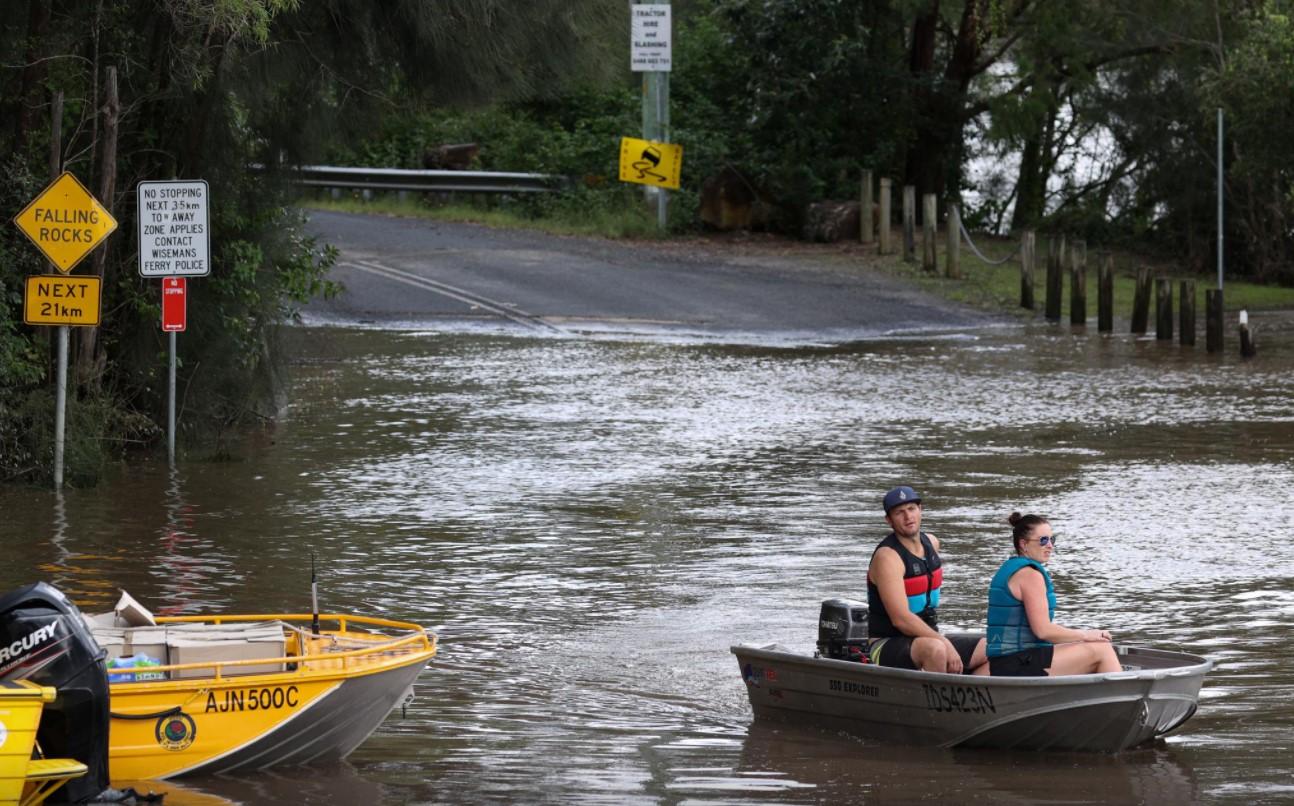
x=422, y=644
x=1198, y=666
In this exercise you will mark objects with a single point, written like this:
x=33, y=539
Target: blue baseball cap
x=900, y=495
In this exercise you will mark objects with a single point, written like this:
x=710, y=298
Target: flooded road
x=589, y=524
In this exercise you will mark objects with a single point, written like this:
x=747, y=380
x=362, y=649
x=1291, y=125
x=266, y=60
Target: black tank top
x=922, y=579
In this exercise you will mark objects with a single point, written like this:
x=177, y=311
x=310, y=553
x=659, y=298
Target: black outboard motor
x=842, y=630
x=44, y=639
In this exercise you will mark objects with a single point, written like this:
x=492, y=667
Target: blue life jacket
x=1008, y=625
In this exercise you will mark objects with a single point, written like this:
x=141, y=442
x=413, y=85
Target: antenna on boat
x=314, y=597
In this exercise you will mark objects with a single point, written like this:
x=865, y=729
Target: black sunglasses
x=1045, y=540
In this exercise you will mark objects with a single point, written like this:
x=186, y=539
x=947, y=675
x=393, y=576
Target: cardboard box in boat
x=205, y=643
x=126, y=641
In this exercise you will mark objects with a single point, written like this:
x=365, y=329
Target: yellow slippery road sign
x=65, y=222
x=55, y=300
x=650, y=163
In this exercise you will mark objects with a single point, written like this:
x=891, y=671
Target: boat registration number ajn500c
x=253, y=699
x=966, y=699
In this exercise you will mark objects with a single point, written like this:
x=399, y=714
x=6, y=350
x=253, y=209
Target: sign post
x=174, y=230
x=651, y=55
x=65, y=222
x=174, y=320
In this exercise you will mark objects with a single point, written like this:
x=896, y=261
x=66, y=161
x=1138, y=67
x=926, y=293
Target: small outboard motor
x=842, y=630
x=44, y=639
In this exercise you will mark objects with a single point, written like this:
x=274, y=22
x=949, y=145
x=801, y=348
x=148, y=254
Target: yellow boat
x=210, y=694
x=25, y=780
x=317, y=700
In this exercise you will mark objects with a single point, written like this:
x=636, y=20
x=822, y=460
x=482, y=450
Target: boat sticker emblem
x=751, y=675
x=176, y=731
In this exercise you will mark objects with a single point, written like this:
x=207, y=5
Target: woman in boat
x=1023, y=641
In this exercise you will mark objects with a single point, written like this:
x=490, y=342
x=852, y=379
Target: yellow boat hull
x=320, y=708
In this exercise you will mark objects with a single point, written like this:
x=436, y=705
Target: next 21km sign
x=173, y=229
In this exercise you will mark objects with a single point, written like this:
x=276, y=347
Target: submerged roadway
x=415, y=273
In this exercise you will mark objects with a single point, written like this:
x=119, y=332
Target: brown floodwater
x=590, y=523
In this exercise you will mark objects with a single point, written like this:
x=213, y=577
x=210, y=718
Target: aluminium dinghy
x=1154, y=693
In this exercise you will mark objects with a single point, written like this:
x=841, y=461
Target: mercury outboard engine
x=842, y=630
x=44, y=639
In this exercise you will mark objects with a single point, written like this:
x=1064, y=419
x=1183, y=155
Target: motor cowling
x=842, y=630
x=44, y=639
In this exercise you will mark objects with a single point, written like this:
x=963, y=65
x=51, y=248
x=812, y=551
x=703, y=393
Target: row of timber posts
x=1062, y=259
x=1076, y=252
x=878, y=229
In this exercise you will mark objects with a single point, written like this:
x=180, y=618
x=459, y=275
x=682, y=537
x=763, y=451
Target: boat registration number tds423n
x=1154, y=693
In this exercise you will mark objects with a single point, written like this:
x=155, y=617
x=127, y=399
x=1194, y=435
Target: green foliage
x=97, y=429
x=1255, y=86
x=205, y=90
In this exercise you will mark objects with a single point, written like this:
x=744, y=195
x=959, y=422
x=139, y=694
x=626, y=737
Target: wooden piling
x=1186, y=318
x=1163, y=309
x=1141, y=302
x=909, y=223
x=1105, y=296
x=885, y=217
x=1213, y=320
x=953, y=256
x=929, y=232
x=1078, y=283
x=1247, y=347
x=1027, y=257
x=1055, y=284
x=865, y=229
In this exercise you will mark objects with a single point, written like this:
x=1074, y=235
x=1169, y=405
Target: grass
x=986, y=285
x=560, y=215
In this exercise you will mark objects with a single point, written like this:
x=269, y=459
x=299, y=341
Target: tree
x=205, y=90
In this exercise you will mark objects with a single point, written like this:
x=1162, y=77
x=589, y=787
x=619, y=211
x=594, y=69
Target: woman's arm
x=1029, y=587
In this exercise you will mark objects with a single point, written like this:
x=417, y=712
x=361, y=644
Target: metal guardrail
x=329, y=176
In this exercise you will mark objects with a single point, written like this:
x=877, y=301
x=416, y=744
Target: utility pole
x=650, y=54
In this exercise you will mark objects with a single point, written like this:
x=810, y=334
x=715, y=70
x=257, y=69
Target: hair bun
x=1014, y=518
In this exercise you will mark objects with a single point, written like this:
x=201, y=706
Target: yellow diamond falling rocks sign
x=65, y=222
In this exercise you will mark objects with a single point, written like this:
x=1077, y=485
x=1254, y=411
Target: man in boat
x=904, y=580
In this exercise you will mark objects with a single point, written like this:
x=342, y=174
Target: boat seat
x=45, y=769
x=44, y=775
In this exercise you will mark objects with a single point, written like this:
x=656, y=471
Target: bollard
x=1186, y=319
x=953, y=257
x=1078, y=283
x=1105, y=296
x=1027, y=243
x=1055, y=284
x=929, y=230
x=1213, y=320
x=1141, y=302
x=909, y=223
x=885, y=216
x=1247, y=348
x=1163, y=309
x=865, y=209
